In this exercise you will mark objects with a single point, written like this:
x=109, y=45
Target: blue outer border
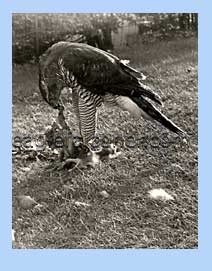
x=127, y=259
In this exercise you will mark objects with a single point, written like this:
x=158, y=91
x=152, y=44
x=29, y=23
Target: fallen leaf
x=26, y=202
x=160, y=194
x=78, y=203
x=26, y=169
x=104, y=194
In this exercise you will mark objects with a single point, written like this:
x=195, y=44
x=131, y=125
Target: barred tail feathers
x=140, y=107
x=156, y=115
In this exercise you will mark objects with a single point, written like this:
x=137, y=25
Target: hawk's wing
x=101, y=72
x=96, y=70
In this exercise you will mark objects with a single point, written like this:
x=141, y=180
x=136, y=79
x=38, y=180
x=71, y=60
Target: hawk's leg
x=86, y=110
x=75, y=103
x=67, y=136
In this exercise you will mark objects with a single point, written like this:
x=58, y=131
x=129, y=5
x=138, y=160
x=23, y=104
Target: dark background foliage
x=34, y=33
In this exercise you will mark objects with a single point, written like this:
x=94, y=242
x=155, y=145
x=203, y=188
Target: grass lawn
x=74, y=213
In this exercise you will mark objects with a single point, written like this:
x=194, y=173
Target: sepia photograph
x=105, y=130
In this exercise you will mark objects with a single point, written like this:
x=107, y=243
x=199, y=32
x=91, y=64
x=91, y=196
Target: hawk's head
x=50, y=93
